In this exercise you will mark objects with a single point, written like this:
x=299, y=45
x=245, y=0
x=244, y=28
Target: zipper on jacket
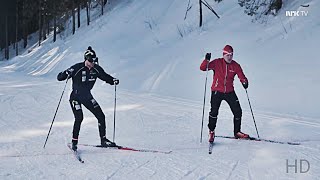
x=216, y=84
x=225, y=79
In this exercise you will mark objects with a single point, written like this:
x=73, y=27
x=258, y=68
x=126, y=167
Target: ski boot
x=241, y=135
x=211, y=136
x=74, y=144
x=107, y=143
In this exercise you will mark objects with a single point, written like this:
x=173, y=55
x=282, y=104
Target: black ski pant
x=232, y=100
x=76, y=100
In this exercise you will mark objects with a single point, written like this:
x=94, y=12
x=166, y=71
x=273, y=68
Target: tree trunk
x=24, y=27
x=17, y=28
x=200, y=5
x=7, y=40
x=25, y=36
x=54, y=13
x=88, y=11
x=73, y=19
x=48, y=27
x=54, y=28
x=40, y=25
x=102, y=4
x=78, y=14
x=44, y=19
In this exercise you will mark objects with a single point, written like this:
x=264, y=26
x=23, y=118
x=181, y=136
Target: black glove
x=115, y=81
x=69, y=72
x=245, y=85
x=208, y=56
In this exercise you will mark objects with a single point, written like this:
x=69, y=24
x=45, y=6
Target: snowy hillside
x=159, y=99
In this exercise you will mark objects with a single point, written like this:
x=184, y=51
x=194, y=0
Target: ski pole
x=55, y=113
x=114, y=112
x=204, y=101
x=252, y=114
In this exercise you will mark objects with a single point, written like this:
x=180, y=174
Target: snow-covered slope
x=160, y=96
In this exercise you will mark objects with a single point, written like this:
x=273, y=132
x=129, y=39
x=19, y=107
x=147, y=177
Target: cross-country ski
x=123, y=148
x=264, y=140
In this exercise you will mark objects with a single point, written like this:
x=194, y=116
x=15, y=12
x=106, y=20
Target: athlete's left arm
x=240, y=74
x=104, y=76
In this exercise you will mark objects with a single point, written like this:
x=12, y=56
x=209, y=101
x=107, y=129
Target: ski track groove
x=139, y=166
x=182, y=102
x=30, y=165
x=293, y=120
x=188, y=173
x=214, y=150
x=115, y=172
x=205, y=177
x=232, y=170
x=21, y=155
x=249, y=174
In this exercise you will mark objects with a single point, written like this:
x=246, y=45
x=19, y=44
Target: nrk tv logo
x=296, y=13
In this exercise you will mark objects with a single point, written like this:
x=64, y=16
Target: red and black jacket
x=224, y=74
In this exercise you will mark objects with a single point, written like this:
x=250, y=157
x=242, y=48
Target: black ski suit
x=83, y=80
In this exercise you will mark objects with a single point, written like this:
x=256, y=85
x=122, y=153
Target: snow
x=159, y=99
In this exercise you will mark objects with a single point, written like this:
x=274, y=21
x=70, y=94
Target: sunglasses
x=92, y=60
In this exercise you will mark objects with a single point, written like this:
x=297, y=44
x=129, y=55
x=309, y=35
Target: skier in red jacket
x=222, y=89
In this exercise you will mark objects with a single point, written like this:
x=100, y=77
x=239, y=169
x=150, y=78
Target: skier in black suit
x=84, y=76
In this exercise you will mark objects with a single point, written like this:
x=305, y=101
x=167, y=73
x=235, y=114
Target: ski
x=210, y=147
x=126, y=148
x=265, y=140
x=75, y=153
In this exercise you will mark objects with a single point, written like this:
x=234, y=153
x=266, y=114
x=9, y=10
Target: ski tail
x=210, y=147
x=75, y=153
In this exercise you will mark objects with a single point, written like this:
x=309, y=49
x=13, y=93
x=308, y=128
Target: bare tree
x=17, y=28
x=7, y=39
x=188, y=9
x=88, y=3
x=54, y=13
x=48, y=27
x=24, y=25
x=54, y=28
x=208, y=6
x=45, y=15
x=200, y=6
x=102, y=4
x=79, y=6
x=44, y=22
x=40, y=22
x=57, y=10
x=73, y=18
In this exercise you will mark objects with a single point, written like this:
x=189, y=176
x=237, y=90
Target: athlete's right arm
x=205, y=63
x=66, y=74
